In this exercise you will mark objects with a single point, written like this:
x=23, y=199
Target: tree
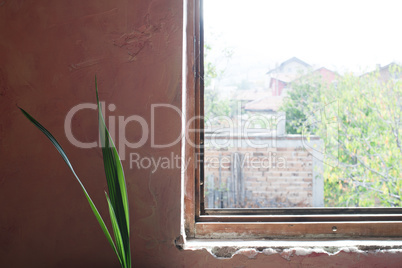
x=368, y=136
x=301, y=100
x=214, y=105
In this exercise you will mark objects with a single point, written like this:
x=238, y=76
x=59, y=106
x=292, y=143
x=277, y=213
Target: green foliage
x=303, y=98
x=210, y=71
x=117, y=199
x=366, y=143
x=214, y=105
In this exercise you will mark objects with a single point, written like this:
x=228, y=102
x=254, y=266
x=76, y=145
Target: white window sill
x=287, y=249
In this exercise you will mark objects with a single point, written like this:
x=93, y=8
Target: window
x=238, y=220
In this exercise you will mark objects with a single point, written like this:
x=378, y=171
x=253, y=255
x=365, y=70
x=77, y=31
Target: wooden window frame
x=289, y=223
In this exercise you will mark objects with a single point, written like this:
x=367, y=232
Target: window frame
x=281, y=223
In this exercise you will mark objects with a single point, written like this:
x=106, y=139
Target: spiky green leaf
x=65, y=158
x=117, y=233
x=116, y=184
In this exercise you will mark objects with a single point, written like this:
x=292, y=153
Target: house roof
x=267, y=104
x=385, y=68
x=294, y=59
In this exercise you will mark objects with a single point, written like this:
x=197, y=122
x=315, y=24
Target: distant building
x=269, y=106
x=281, y=80
x=387, y=72
x=326, y=75
x=322, y=74
x=286, y=72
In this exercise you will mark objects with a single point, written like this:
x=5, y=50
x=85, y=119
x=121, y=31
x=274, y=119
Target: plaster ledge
x=226, y=249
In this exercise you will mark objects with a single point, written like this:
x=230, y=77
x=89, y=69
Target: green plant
x=359, y=120
x=117, y=198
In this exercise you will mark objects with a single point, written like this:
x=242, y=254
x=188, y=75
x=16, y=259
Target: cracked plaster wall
x=50, y=52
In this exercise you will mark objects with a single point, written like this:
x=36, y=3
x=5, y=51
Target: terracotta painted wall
x=50, y=52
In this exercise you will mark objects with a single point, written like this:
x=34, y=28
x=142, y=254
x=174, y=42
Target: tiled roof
x=288, y=61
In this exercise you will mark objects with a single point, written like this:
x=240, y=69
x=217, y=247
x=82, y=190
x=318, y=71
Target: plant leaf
x=65, y=158
x=116, y=183
x=117, y=233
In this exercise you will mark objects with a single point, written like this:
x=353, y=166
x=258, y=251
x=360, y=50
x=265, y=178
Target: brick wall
x=283, y=174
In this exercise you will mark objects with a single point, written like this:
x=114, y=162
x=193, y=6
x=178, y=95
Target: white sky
x=337, y=34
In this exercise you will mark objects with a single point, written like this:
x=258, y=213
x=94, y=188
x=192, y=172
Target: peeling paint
x=179, y=242
x=223, y=252
x=287, y=253
x=250, y=253
x=269, y=251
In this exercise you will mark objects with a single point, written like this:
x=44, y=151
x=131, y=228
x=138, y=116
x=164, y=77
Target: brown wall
x=50, y=52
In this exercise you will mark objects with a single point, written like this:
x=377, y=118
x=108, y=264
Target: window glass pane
x=303, y=104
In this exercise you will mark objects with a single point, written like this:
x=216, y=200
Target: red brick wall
x=273, y=177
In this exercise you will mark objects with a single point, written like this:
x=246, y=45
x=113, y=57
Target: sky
x=341, y=35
